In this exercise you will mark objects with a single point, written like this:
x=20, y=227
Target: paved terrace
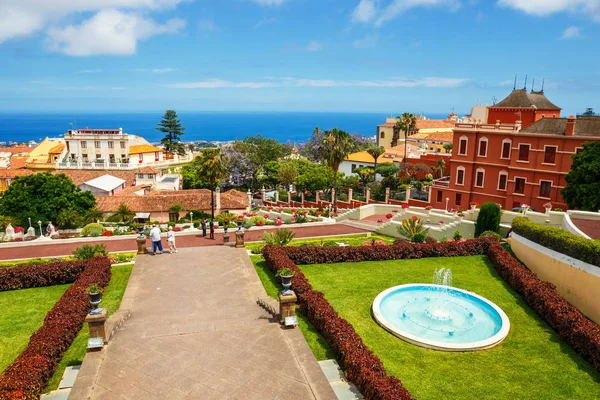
x=60, y=248
x=196, y=332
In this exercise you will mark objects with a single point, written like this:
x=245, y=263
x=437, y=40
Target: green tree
x=42, y=196
x=314, y=177
x=375, y=152
x=287, y=175
x=365, y=174
x=338, y=145
x=212, y=168
x=589, y=112
x=583, y=181
x=404, y=123
x=93, y=215
x=68, y=219
x=173, y=130
x=448, y=147
x=488, y=219
x=438, y=169
x=124, y=213
x=189, y=174
x=176, y=208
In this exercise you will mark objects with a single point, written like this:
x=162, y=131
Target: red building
x=522, y=106
x=513, y=165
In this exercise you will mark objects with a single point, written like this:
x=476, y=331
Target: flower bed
x=361, y=365
x=29, y=373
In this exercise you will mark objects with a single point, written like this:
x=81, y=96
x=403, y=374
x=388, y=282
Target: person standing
x=203, y=223
x=155, y=237
x=211, y=224
x=171, y=240
x=49, y=229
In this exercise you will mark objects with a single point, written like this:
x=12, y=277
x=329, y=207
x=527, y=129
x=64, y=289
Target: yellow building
x=431, y=142
x=46, y=154
x=385, y=132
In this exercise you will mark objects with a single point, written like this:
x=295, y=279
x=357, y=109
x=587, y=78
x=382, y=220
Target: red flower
x=108, y=233
x=414, y=218
x=388, y=216
x=266, y=216
x=405, y=205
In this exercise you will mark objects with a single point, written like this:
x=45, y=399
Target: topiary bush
x=491, y=234
x=488, y=219
x=88, y=251
x=93, y=230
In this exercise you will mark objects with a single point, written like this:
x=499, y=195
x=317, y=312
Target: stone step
x=344, y=390
x=69, y=376
x=60, y=394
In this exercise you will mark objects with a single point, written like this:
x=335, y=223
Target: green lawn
x=532, y=363
x=121, y=257
x=22, y=312
x=316, y=343
x=352, y=240
x=111, y=299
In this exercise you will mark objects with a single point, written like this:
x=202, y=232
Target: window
x=7, y=182
x=156, y=156
x=578, y=150
x=460, y=176
x=150, y=176
x=524, y=152
x=83, y=145
x=502, y=180
x=111, y=158
x=85, y=157
x=458, y=199
x=111, y=145
x=141, y=157
x=382, y=134
x=440, y=195
x=545, y=187
x=506, y=144
x=140, y=176
x=97, y=144
x=122, y=145
x=549, y=154
x=462, y=146
x=98, y=157
x=353, y=167
x=479, y=175
x=520, y=185
x=483, y=143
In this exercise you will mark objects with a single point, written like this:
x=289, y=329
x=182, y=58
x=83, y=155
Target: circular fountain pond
x=441, y=317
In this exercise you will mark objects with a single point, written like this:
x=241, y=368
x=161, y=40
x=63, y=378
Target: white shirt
x=155, y=234
x=171, y=236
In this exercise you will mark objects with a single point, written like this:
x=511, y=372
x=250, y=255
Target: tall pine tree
x=173, y=129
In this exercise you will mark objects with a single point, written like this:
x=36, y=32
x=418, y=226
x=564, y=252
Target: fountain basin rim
x=432, y=344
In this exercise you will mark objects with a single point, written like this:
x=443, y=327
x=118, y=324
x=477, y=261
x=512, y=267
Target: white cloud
x=428, y=82
x=365, y=11
x=109, y=32
x=314, y=46
x=590, y=8
x=366, y=42
x=156, y=70
x=88, y=71
x=398, y=7
x=19, y=18
x=572, y=32
x=264, y=21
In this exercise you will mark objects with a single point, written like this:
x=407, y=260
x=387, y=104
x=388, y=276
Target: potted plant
x=286, y=275
x=548, y=207
x=94, y=291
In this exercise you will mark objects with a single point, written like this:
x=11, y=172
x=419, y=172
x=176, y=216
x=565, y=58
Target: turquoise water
x=440, y=314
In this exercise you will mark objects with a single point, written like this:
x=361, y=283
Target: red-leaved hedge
x=30, y=372
x=361, y=365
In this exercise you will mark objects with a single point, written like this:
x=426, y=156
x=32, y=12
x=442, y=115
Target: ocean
x=209, y=126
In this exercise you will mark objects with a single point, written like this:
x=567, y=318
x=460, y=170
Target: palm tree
x=365, y=174
x=124, y=212
x=338, y=144
x=441, y=164
x=375, y=152
x=212, y=169
x=406, y=123
x=447, y=147
x=93, y=215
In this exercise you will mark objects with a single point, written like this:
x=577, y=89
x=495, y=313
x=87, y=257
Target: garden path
x=196, y=332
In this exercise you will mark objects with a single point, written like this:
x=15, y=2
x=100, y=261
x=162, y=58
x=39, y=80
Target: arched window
x=479, y=177
x=462, y=146
x=460, y=176
x=382, y=134
x=483, y=147
x=506, y=147
x=502, y=180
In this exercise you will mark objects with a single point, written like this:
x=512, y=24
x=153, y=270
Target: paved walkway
x=183, y=241
x=196, y=332
x=588, y=226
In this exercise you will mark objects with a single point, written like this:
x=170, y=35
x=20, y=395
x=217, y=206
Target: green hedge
x=560, y=240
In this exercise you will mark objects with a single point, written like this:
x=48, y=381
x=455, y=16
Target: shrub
x=413, y=226
x=457, y=235
x=88, y=251
x=257, y=219
x=92, y=230
x=419, y=237
x=430, y=239
x=491, y=234
x=401, y=240
x=171, y=223
x=256, y=249
x=564, y=242
x=281, y=237
x=247, y=224
x=30, y=372
x=488, y=219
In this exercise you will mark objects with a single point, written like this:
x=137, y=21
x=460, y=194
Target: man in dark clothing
x=203, y=223
x=211, y=224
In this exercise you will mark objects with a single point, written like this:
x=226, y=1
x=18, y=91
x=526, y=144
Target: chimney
x=570, y=126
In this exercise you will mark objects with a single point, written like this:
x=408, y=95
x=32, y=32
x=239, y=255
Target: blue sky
x=294, y=55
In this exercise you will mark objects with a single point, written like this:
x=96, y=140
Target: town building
x=524, y=107
x=14, y=157
x=385, y=132
x=7, y=176
x=432, y=142
x=105, y=185
x=513, y=165
x=45, y=155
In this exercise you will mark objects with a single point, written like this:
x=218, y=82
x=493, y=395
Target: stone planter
x=286, y=282
x=473, y=207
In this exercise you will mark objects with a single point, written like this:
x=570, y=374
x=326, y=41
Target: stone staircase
x=65, y=385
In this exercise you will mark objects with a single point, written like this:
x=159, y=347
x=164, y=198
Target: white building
x=105, y=185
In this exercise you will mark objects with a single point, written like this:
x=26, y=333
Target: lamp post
x=447, y=200
x=40, y=224
x=29, y=219
x=192, y=218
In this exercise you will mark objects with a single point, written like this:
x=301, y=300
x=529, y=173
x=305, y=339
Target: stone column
x=263, y=194
x=98, y=326
x=387, y=194
x=317, y=196
x=289, y=197
x=249, y=194
x=332, y=195
x=349, y=195
x=302, y=199
x=218, y=200
x=367, y=195
x=276, y=196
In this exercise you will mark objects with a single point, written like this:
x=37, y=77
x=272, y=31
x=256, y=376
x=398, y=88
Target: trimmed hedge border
x=560, y=240
x=27, y=376
x=363, y=367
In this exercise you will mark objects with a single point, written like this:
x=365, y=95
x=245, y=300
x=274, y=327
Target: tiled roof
x=392, y=154
x=79, y=176
x=18, y=162
x=133, y=190
x=519, y=98
x=16, y=149
x=147, y=170
x=162, y=200
x=440, y=136
x=584, y=126
x=427, y=124
x=57, y=149
x=12, y=173
x=363, y=156
x=143, y=148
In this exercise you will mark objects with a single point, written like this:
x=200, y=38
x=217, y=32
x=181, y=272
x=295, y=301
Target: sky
x=294, y=55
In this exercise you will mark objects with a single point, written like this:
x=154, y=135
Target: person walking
x=171, y=240
x=155, y=237
x=211, y=224
x=203, y=223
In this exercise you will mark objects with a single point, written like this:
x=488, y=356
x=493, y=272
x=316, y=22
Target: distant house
x=7, y=176
x=105, y=185
x=385, y=132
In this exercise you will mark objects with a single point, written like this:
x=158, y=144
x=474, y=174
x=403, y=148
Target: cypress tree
x=170, y=125
x=488, y=219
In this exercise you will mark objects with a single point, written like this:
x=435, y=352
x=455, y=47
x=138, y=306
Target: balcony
x=443, y=183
